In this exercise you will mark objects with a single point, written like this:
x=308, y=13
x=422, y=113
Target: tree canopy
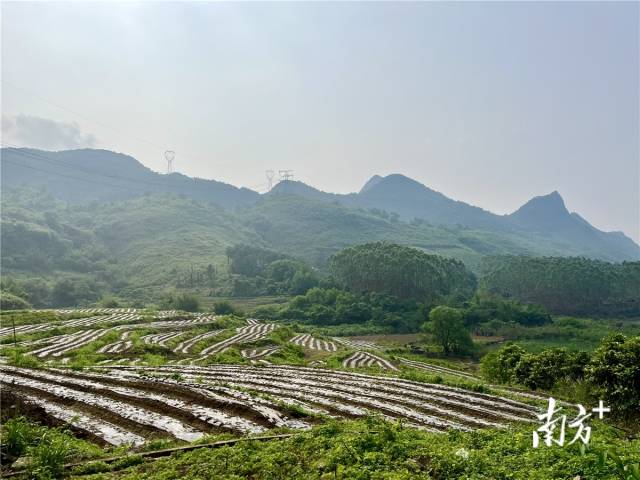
x=404, y=272
x=447, y=327
x=566, y=285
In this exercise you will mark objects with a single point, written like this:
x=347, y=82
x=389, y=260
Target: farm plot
x=257, y=353
x=65, y=343
x=24, y=329
x=247, y=334
x=345, y=394
x=307, y=341
x=123, y=408
x=122, y=345
x=94, y=311
x=436, y=369
x=191, y=322
x=186, y=345
x=357, y=344
x=100, y=429
x=365, y=359
x=160, y=339
x=75, y=323
x=106, y=319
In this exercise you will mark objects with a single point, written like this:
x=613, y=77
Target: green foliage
x=49, y=456
x=110, y=302
x=499, y=366
x=403, y=272
x=223, y=308
x=566, y=285
x=447, y=327
x=19, y=359
x=48, y=448
x=330, y=306
x=70, y=292
x=376, y=449
x=610, y=373
x=614, y=372
x=184, y=301
x=9, y=301
x=17, y=435
x=543, y=370
x=483, y=308
x=261, y=271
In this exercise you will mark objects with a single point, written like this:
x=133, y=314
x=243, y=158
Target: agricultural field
x=127, y=378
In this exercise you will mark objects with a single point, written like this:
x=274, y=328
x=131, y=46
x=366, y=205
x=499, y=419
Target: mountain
x=393, y=207
x=80, y=176
x=545, y=218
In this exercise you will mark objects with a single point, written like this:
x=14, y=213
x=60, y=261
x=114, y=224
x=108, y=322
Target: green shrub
x=49, y=456
x=223, y=307
x=9, y=301
x=614, y=372
x=18, y=434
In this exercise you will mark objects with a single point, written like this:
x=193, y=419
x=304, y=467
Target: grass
x=376, y=449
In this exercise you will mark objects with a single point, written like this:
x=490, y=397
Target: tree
x=447, y=326
x=614, y=371
x=223, y=308
x=9, y=301
x=187, y=302
x=565, y=285
x=499, y=366
x=404, y=272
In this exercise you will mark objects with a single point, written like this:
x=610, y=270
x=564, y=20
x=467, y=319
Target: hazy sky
x=490, y=103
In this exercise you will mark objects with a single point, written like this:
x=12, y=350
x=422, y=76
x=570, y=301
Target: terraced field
x=66, y=343
x=250, y=333
x=436, y=369
x=307, y=341
x=116, y=318
x=185, y=346
x=357, y=344
x=122, y=345
x=366, y=359
x=130, y=404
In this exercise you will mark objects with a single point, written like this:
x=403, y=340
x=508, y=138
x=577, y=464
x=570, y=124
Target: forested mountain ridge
x=135, y=229
x=545, y=217
x=86, y=175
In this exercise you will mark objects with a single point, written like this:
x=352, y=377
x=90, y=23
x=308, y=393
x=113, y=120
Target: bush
x=614, y=371
x=49, y=456
x=9, y=301
x=17, y=435
x=223, y=308
x=500, y=366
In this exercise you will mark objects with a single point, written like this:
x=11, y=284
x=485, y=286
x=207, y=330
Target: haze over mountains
x=414, y=214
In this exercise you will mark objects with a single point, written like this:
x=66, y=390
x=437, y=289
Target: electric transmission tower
x=270, y=174
x=169, y=155
x=286, y=174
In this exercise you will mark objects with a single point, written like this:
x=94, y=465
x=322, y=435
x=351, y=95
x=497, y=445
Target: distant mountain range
x=543, y=226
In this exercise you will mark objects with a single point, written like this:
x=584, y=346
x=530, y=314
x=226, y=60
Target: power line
x=89, y=171
x=51, y=161
x=61, y=174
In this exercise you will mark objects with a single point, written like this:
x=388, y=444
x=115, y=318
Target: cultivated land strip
x=345, y=394
x=307, y=341
x=437, y=369
x=256, y=353
x=247, y=334
x=357, y=344
x=186, y=345
x=366, y=359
